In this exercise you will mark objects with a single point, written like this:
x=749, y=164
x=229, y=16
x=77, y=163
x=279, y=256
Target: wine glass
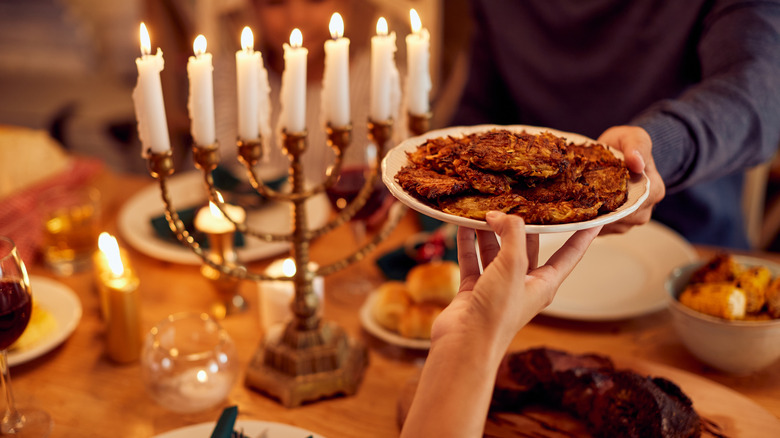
x=15, y=309
x=354, y=174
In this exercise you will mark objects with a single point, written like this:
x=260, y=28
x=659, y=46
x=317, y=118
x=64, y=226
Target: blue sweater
x=702, y=77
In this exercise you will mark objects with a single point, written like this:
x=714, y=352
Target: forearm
x=455, y=388
x=728, y=121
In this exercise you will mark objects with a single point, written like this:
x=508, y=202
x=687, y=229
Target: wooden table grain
x=90, y=396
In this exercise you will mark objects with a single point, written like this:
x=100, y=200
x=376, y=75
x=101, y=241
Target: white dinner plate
x=250, y=428
x=396, y=158
x=63, y=304
x=373, y=327
x=186, y=190
x=621, y=275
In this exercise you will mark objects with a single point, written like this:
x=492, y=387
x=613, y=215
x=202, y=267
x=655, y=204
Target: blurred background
x=67, y=66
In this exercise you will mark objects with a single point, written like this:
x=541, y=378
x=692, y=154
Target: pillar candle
x=247, y=62
x=384, y=96
x=418, y=79
x=335, y=81
x=148, y=99
x=293, y=92
x=120, y=304
x=201, y=99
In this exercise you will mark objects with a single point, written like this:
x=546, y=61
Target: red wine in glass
x=347, y=187
x=15, y=310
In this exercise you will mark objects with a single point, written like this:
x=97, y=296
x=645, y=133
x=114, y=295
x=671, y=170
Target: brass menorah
x=309, y=359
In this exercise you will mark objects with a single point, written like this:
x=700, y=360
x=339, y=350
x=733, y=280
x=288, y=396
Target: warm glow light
x=416, y=23
x=296, y=38
x=336, y=26
x=199, y=46
x=215, y=210
x=202, y=376
x=247, y=39
x=109, y=246
x=146, y=42
x=381, y=26
x=288, y=267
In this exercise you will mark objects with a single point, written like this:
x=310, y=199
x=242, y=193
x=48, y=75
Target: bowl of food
x=726, y=311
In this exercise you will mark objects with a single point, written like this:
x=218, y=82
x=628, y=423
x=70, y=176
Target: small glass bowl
x=189, y=362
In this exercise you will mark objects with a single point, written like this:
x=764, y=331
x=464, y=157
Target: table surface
x=89, y=395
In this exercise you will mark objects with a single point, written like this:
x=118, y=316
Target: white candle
x=385, y=92
x=247, y=62
x=335, y=81
x=276, y=296
x=201, y=99
x=418, y=78
x=293, y=92
x=263, y=101
x=211, y=220
x=148, y=99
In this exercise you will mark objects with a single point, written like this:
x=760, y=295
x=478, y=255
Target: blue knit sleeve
x=731, y=119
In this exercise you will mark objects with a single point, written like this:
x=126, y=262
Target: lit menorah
x=311, y=358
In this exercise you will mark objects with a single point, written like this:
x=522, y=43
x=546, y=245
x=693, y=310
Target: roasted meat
x=612, y=403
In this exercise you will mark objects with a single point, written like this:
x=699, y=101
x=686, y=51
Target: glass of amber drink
x=71, y=224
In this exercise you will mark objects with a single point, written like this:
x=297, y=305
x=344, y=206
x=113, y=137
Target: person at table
x=471, y=335
x=688, y=90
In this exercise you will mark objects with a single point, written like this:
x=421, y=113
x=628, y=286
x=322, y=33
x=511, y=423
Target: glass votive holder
x=189, y=362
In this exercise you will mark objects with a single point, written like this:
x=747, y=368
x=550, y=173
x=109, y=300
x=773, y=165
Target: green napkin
x=224, y=427
x=397, y=263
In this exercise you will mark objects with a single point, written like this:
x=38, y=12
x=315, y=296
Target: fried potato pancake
x=539, y=177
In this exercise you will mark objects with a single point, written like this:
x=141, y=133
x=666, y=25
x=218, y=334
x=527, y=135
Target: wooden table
x=89, y=396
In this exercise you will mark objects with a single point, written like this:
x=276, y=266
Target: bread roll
x=435, y=282
x=417, y=321
x=391, y=302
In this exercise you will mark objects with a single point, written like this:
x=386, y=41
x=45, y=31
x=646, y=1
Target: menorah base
x=297, y=366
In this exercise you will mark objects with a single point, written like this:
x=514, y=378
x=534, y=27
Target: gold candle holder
x=419, y=124
x=309, y=359
x=228, y=288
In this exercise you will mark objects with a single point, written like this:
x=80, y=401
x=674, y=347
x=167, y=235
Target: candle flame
x=146, y=42
x=381, y=26
x=336, y=26
x=288, y=267
x=296, y=38
x=215, y=211
x=199, y=46
x=247, y=39
x=202, y=376
x=110, y=248
x=415, y=19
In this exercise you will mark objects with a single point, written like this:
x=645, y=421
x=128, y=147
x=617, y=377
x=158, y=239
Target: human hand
x=637, y=147
x=496, y=304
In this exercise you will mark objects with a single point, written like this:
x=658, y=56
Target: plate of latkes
x=557, y=181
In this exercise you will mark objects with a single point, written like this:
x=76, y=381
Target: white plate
x=64, y=306
x=251, y=428
x=371, y=326
x=186, y=190
x=638, y=185
x=621, y=275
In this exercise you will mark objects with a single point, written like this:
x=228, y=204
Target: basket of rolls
x=726, y=311
x=407, y=309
